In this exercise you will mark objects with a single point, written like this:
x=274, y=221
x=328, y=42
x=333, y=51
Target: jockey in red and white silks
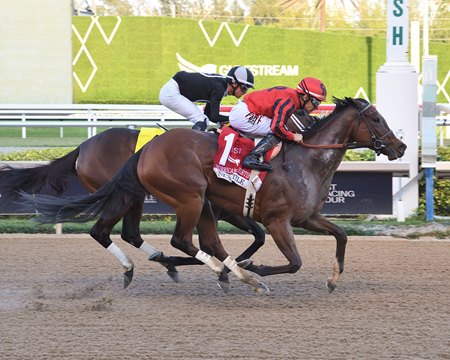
x=266, y=112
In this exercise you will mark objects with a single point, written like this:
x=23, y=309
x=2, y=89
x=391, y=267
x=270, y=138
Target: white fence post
x=24, y=129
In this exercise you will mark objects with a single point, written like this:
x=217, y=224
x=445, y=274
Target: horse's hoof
x=224, y=286
x=172, y=272
x=245, y=263
x=223, y=276
x=331, y=285
x=174, y=275
x=165, y=261
x=127, y=277
x=159, y=257
x=262, y=289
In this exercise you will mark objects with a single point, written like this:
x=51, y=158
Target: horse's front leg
x=283, y=236
x=320, y=223
x=246, y=224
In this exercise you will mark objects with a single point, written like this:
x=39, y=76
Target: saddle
x=233, y=147
x=145, y=135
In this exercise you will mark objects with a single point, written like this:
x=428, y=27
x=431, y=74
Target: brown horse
x=177, y=167
x=95, y=162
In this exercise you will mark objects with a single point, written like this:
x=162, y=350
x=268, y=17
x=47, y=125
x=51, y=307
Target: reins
x=324, y=146
x=378, y=144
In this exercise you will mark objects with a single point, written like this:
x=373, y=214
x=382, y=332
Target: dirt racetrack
x=61, y=297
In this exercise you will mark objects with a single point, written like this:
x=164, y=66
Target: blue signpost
x=429, y=141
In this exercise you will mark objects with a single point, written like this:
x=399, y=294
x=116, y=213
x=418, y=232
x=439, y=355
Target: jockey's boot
x=255, y=160
x=200, y=125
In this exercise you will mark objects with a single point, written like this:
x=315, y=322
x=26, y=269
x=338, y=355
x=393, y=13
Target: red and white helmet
x=312, y=87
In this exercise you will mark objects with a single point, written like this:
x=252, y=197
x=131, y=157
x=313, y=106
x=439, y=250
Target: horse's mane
x=341, y=104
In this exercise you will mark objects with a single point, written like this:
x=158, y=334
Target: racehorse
x=177, y=168
x=94, y=162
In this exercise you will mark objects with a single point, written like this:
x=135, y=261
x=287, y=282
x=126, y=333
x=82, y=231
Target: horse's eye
x=376, y=120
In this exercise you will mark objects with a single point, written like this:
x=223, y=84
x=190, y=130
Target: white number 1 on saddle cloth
x=232, y=149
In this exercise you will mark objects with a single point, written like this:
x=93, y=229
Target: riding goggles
x=244, y=88
x=315, y=102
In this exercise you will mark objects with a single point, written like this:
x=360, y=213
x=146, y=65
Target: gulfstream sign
x=266, y=70
x=398, y=30
x=257, y=70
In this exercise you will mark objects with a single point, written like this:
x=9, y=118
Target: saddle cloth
x=232, y=149
x=145, y=135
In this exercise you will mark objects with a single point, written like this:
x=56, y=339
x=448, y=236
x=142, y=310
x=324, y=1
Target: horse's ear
x=359, y=103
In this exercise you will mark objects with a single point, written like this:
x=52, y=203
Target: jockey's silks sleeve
x=202, y=87
x=212, y=108
x=277, y=103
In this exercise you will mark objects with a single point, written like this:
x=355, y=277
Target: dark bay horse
x=177, y=167
x=95, y=162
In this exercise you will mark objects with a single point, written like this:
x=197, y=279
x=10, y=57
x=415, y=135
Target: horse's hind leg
x=320, y=223
x=207, y=229
x=188, y=216
x=187, y=219
x=101, y=232
x=131, y=234
x=240, y=222
x=248, y=225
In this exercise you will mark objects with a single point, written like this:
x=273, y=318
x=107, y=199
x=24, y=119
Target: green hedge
x=55, y=153
x=35, y=155
x=166, y=225
x=441, y=190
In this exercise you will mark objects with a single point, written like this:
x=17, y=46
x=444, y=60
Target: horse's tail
x=110, y=200
x=54, y=175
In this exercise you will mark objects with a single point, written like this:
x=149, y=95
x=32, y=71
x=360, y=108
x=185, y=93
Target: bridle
x=377, y=143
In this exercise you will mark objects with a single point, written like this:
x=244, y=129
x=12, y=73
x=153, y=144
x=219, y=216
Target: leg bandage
x=150, y=250
x=234, y=267
x=120, y=255
x=209, y=260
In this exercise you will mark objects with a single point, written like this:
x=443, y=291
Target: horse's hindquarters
x=172, y=166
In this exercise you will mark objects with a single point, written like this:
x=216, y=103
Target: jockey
x=266, y=112
x=184, y=88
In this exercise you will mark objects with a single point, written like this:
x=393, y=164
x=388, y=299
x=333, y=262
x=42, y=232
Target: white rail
x=90, y=116
x=93, y=116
